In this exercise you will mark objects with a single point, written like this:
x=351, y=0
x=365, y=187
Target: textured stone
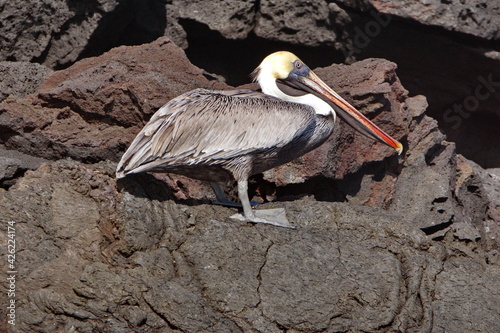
x=410, y=246
x=126, y=85
x=478, y=192
x=477, y=17
x=345, y=267
x=57, y=33
x=93, y=109
x=233, y=19
x=311, y=23
x=20, y=78
x=54, y=31
x=14, y=164
x=460, y=306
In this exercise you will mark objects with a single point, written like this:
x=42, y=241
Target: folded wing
x=205, y=127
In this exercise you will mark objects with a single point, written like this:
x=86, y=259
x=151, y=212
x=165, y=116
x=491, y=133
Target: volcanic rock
x=92, y=110
x=446, y=50
x=20, y=78
x=477, y=17
x=14, y=164
x=135, y=260
x=382, y=242
x=292, y=22
x=233, y=19
x=54, y=32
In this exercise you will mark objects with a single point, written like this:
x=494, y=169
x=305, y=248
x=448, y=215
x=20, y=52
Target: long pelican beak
x=346, y=111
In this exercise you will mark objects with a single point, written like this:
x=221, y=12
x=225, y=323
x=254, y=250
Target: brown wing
x=205, y=126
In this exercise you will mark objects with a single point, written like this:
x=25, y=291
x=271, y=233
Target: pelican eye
x=299, y=68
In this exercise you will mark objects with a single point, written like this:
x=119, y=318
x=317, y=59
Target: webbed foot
x=274, y=216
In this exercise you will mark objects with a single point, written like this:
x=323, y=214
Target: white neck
x=269, y=87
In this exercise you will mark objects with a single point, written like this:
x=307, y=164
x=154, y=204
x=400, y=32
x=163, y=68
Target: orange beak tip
x=399, y=147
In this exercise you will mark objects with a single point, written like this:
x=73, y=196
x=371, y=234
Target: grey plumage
x=217, y=135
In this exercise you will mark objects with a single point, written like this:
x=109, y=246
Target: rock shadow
x=130, y=23
x=144, y=185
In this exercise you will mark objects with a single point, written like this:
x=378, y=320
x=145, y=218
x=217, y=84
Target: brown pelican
x=223, y=135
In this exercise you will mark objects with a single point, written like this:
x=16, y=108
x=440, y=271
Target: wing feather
x=204, y=126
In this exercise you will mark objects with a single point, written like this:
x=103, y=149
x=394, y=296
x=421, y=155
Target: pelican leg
x=274, y=216
x=223, y=200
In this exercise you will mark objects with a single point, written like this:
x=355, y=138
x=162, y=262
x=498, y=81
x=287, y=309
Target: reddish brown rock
x=126, y=85
x=56, y=133
x=101, y=256
x=92, y=110
x=130, y=255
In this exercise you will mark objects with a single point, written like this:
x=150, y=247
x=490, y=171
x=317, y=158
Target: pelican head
x=283, y=75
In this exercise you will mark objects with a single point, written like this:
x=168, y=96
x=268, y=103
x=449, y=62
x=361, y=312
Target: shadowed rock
x=447, y=50
x=476, y=17
x=92, y=110
x=411, y=246
x=122, y=260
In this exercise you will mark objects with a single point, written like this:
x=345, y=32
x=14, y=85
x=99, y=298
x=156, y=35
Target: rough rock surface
x=13, y=164
x=235, y=19
x=194, y=271
x=477, y=17
x=135, y=260
x=81, y=112
x=54, y=32
x=460, y=81
x=20, y=78
x=292, y=21
x=446, y=50
x=65, y=30
x=383, y=243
